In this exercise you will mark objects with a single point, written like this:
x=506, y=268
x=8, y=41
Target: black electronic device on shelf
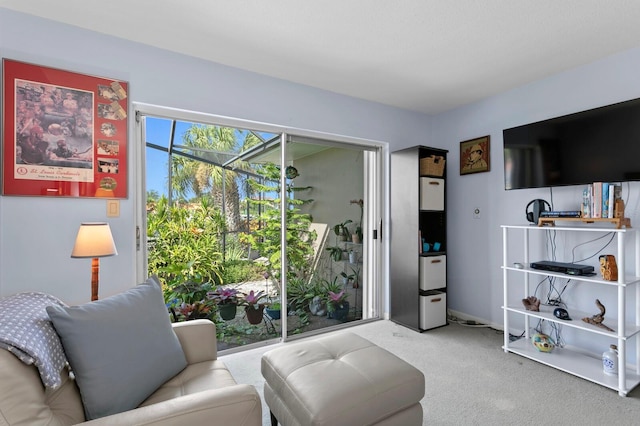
x=563, y=268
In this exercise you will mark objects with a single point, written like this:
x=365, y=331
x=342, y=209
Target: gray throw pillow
x=121, y=349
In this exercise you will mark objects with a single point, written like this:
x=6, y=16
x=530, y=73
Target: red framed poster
x=64, y=133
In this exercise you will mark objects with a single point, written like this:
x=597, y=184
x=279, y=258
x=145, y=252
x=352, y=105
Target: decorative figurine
x=618, y=210
x=317, y=307
x=608, y=267
x=598, y=318
x=531, y=303
x=542, y=342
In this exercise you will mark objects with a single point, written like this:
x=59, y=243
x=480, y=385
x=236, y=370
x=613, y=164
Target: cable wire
x=613, y=235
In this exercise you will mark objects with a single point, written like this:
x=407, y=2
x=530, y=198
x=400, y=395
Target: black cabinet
x=418, y=257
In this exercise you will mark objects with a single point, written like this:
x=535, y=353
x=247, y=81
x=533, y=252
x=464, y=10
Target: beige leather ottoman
x=341, y=379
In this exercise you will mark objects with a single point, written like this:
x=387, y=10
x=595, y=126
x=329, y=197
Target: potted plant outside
x=357, y=234
x=335, y=253
x=356, y=237
x=190, y=311
x=346, y=278
x=253, y=307
x=188, y=300
x=338, y=305
x=301, y=295
x=342, y=231
x=273, y=310
x=227, y=301
x=356, y=277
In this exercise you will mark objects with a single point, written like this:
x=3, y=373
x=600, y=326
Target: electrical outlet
x=476, y=213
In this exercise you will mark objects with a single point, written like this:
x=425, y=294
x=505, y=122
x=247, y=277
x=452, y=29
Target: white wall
x=37, y=234
x=475, y=245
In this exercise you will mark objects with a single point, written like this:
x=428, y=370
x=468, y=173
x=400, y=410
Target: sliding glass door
x=215, y=197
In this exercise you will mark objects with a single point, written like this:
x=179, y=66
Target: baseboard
x=461, y=316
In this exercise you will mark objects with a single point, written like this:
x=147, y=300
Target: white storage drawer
x=431, y=194
x=433, y=272
x=433, y=310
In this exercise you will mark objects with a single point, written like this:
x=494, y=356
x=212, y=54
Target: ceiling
x=422, y=55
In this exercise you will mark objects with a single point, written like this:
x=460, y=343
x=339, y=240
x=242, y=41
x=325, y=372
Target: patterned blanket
x=27, y=332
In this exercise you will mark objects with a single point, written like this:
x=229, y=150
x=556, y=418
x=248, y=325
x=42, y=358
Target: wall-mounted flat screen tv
x=598, y=145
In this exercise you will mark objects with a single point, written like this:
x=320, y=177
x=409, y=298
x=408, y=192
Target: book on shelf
x=561, y=213
x=599, y=200
x=605, y=200
x=612, y=199
x=586, y=202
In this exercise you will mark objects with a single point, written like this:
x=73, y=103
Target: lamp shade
x=94, y=239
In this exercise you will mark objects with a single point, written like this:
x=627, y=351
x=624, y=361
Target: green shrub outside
x=185, y=245
x=239, y=270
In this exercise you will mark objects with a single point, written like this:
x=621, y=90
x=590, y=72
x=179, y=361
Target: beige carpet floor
x=471, y=381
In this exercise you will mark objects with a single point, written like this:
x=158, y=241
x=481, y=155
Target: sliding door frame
x=375, y=175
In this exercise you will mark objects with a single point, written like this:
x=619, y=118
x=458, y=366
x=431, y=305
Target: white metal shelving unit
x=574, y=361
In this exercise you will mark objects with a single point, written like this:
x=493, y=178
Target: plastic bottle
x=610, y=361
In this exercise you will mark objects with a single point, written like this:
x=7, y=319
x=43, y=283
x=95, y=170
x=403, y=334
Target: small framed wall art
x=474, y=155
x=63, y=133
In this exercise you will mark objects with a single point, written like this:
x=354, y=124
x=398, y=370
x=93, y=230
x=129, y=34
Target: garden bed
x=238, y=332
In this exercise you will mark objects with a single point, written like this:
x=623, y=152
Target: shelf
x=590, y=279
x=533, y=227
x=576, y=363
x=618, y=221
x=433, y=291
x=546, y=313
x=575, y=360
x=432, y=253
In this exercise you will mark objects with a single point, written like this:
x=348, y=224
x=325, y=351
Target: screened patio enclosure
x=254, y=183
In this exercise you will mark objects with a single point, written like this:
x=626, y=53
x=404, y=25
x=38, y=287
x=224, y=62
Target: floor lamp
x=94, y=240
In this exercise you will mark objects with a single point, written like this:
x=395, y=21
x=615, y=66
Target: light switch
x=113, y=208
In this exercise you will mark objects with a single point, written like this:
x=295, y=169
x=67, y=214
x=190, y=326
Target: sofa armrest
x=198, y=340
x=234, y=405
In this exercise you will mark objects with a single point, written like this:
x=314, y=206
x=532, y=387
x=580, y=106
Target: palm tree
x=203, y=178
x=153, y=195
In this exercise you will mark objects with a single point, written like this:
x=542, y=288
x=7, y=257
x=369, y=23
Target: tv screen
x=598, y=145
